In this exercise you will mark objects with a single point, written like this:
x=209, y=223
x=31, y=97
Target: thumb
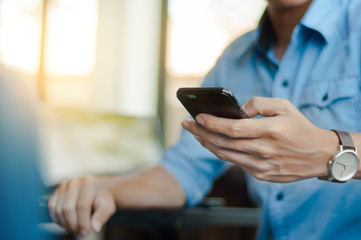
x=267, y=107
x=104, y=208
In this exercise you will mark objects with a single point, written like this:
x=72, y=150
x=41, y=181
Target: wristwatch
x=344, y=163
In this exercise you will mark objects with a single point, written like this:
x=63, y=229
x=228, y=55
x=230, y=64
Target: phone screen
x=215, y=101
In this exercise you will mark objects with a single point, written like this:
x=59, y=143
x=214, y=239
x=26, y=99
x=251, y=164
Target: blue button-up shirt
x=320, y=74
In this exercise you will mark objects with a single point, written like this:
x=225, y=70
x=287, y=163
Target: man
x=309, y=54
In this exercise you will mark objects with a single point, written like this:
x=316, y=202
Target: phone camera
x=190, y=96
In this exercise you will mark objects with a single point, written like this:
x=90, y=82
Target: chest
x=322, y=81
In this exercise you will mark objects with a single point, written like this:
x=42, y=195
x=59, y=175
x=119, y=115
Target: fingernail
x=84, y=232
x=200, y=120
x=185, y=124
x=97, y=226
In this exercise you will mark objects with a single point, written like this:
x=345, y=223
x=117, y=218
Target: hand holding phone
x=219, y=102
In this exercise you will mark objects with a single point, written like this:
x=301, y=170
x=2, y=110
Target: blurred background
x=106, y=73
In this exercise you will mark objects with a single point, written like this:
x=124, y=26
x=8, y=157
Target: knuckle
x=221, y=155
x=267, y=153
x=88, y=182
x=207, y=145
x=263, y=167
x=275, y=131
x=255, y=101
x=248, y=146
x=110, y=208
x=62, y=187
x=285, y=105
x=194, y=128
x=89, y=178
x=80, y=206
x=235, y=130
x=203, y=143
x=59, y=211
x=220, y=141
x=73, y=182
x=264, y=175
x=68, y=208
x=209, y=124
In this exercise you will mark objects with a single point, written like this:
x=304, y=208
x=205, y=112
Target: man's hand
x=82, y=204
x=282, y=147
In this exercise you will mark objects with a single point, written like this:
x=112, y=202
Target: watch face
x=345, y=165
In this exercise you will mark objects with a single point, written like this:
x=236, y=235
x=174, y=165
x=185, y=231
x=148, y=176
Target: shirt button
x=325, y=97
x=285, y=83
x=279, y=196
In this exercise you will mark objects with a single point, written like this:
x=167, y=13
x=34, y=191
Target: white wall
x=126, y=73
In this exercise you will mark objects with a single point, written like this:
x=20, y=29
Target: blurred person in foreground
x=304, y=61
x=20, y=183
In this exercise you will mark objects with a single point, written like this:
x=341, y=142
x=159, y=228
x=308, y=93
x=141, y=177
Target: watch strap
x=345, y=139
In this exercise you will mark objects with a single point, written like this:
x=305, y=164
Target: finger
x=84, y=207
x=240, y=158
x=70, y=202
x=253, y=146
x=59, y=211
x=260, y=147
x=257, y=166
x=197, y=130
x=52, y=206
x=104, y=208
x=266, y=106
x=234, y=128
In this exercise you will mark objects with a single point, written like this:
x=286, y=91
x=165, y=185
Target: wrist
x=113, y=183
x=330, y=144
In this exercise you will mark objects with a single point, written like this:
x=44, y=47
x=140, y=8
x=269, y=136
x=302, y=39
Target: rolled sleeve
x=194, y=167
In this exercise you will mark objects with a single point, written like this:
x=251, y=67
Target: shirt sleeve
x=192, y=165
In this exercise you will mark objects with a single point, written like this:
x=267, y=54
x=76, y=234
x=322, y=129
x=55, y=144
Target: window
x=20, y=33
x=97, y=64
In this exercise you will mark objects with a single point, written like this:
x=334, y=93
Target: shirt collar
x=322, y=16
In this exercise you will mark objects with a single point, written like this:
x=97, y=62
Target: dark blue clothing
x=20, y=184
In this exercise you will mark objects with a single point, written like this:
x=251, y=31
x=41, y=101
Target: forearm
x=152, y=188
x=357, y=140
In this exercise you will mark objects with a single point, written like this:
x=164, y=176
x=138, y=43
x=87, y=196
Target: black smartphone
x=217, y=101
